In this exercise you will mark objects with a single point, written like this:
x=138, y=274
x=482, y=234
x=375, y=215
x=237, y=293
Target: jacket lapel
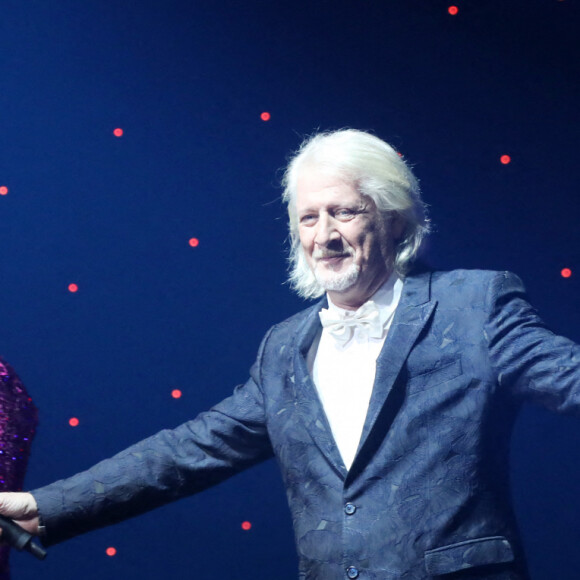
x=413, y=312
x=308, y=403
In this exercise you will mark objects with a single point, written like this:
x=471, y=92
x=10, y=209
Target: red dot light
x=3, y=190
x=176, y=393
x=194, y=242
x=505, y=159
x=111, y=551
x=73, y=288
x=118, y=132
x=453, y=10
x=265, y=116
x=246, y=526
x=73, y=422
x=566, y=273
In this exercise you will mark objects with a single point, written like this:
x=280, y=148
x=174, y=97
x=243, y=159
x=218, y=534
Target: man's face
x=346, y=241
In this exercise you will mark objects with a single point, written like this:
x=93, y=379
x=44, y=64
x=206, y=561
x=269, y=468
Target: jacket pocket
x=468, y=554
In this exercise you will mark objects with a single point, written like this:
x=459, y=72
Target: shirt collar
x=386, y=297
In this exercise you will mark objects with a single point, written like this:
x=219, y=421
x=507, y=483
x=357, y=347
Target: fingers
x=18, y=506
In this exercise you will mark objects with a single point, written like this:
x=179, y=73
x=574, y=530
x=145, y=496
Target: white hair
x=376, y=170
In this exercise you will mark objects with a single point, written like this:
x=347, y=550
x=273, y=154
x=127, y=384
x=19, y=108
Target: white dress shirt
x=344, y=374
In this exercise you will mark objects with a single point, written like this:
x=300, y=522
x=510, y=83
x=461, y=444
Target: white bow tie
x=367, y=319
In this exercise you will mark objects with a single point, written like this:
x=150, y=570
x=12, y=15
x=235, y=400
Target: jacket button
x=352, y=572
x=349, y=509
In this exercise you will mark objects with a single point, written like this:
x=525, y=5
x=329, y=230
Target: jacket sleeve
x=163, y=468
x=533, y=362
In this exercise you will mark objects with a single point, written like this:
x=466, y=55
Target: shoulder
x=291, y=325
x=462, y=276
x=281, y=340
x=472, y=286
x=462, y=279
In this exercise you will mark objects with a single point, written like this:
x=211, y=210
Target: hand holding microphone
x=19, y=522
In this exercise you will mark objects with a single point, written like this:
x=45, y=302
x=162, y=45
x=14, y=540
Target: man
x=388, y=404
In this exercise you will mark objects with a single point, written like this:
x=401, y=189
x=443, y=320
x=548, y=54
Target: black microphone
x=19, y=538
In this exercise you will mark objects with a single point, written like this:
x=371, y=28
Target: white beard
x=337, y=281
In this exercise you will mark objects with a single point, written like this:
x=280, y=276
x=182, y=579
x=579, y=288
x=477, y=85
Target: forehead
x=316, y=186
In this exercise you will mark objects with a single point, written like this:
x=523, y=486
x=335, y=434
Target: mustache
x=327, y=253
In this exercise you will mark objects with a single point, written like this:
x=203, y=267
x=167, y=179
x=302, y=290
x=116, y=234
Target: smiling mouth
x=332, y=258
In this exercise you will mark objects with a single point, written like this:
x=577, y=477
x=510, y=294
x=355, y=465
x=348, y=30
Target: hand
x=22, y=508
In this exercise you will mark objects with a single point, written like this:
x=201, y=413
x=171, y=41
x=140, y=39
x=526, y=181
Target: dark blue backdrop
x=187, y=82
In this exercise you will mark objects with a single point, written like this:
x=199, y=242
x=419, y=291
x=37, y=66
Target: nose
x=326, y=231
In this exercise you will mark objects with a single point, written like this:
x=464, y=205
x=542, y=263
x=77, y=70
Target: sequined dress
x=18, y=420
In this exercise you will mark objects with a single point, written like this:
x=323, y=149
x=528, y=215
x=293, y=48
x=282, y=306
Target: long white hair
x=376, y=170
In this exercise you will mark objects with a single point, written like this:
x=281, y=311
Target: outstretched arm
x=163, y=468
x=538, y=365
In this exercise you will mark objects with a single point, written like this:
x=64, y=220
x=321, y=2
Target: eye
x=307, y=219
x=345, y=213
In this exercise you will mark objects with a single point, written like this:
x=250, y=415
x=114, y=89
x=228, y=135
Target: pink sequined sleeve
x=18, y=420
